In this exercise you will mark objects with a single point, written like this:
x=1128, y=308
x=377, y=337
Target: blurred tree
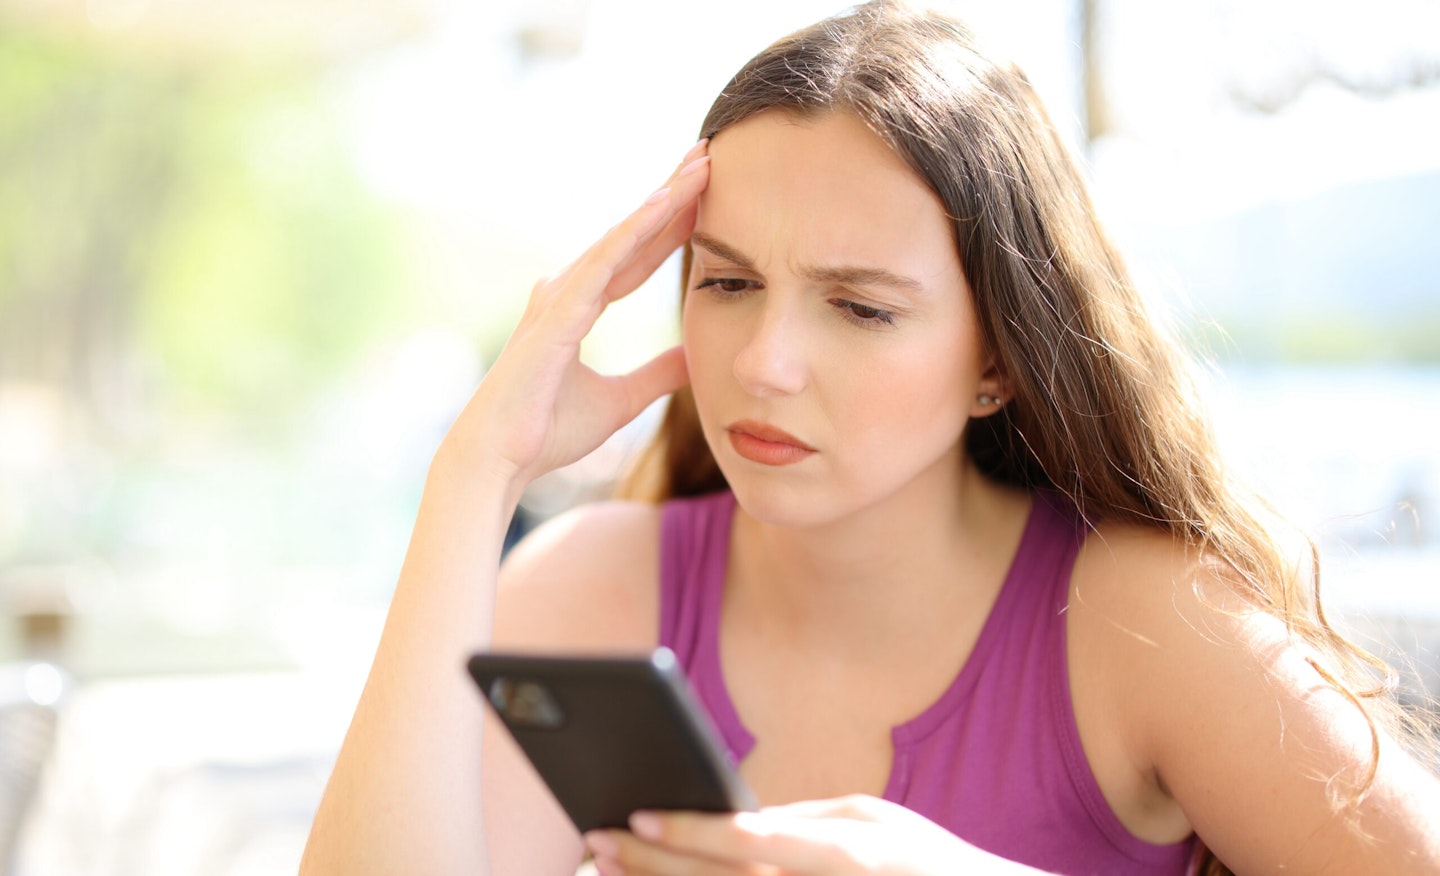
x=177, y=231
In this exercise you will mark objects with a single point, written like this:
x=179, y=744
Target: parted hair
x=1103, y=405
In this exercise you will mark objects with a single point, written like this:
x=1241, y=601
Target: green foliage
x=277, y=267
x=201, y=218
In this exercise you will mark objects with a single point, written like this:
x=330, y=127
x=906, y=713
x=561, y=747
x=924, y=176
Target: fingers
x=630, y=252
x=748, y=842
x=676, y=230
x=860, y=807
x=696, y=151
x=847, y=836
x=652, y=239
x=628, y=277
x=660, y=376
x=620, y=852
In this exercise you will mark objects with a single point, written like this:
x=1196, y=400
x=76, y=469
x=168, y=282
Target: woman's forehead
x=825, y=189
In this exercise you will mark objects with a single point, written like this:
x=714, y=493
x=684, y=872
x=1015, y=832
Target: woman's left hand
x=847, y=835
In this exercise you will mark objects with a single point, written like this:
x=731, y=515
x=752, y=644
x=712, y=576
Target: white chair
x=30, y=692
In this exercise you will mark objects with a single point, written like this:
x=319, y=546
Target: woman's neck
x=939, y=546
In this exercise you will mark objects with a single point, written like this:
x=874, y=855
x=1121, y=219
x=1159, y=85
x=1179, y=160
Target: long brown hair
x=1104, y=406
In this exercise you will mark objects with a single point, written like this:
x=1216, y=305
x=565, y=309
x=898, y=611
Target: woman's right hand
x=538, y=408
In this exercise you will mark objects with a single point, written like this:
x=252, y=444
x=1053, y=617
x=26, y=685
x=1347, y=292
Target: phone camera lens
x=526, y=703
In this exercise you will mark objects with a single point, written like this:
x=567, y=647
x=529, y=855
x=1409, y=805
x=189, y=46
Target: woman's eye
x=863, y=313
x=725, y=285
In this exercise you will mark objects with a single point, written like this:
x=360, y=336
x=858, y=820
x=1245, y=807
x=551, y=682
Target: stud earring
x=989, y=400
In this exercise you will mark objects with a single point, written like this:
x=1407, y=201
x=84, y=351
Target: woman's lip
x=766, y=432
x=766, y=444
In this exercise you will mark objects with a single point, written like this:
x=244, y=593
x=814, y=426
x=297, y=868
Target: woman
x=935, y=525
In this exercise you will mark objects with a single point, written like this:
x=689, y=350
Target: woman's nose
x=771, y=361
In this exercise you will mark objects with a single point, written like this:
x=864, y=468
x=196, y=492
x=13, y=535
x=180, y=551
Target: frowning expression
x=829, y=331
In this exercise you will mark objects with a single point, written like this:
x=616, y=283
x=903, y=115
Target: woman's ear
x=992, y=393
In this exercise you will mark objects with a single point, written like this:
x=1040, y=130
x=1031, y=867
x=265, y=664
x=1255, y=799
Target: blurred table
x=201, y=774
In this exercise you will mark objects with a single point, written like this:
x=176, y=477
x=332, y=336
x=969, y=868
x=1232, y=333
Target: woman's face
x=829, y=331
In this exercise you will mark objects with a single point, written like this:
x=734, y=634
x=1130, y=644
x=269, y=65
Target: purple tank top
x=997, y=759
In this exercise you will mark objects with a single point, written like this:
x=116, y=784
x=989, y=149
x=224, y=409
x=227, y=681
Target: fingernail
x=694, y=165
x=645, y=825
x=609, y=867
x=659, y=196
x=602, y=844
x=695, y=150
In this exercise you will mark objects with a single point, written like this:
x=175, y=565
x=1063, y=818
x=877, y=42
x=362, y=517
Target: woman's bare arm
x=584, y=583
x=405, y=794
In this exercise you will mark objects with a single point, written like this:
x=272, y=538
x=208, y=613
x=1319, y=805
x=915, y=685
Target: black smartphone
x=611, y=735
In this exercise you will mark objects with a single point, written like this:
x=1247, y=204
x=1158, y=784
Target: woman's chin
x=780, y=499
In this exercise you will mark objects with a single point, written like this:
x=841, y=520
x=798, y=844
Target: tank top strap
x=694, y=554
x=694, y=543
x=1071, y=528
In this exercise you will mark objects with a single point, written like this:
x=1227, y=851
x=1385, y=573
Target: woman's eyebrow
x=845, y=274
x=722, y=250
x=849, y=275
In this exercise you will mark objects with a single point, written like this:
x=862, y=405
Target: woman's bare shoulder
x=1234, y=717
x=1154, y=585
x=1185, y=638
x=584, y=580
x=1156, y=614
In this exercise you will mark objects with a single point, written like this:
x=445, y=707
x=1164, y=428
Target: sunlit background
x=254, y=256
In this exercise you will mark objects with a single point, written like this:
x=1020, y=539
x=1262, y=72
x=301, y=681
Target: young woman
x=934, y=522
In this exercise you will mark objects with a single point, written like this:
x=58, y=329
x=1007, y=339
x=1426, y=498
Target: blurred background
x=254, y=257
